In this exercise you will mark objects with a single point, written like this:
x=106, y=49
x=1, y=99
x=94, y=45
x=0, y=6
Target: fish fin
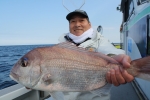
x=47, y=78
x=72, y=46
x=143, y=64
x=142, y=68
x=105, y=90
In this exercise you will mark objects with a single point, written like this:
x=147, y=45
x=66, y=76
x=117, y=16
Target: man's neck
x=83, y=37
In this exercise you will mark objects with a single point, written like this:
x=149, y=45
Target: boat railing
x=19, y=92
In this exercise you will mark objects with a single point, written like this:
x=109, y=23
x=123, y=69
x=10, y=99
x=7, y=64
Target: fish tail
x=142, y=68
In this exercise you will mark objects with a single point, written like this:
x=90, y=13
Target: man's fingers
x=123, y=59
x=126, y=61
x=113, y=78
x=108, y=77
x=127, y=76
x=119, y=76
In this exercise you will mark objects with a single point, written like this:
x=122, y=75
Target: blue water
x=9, y=55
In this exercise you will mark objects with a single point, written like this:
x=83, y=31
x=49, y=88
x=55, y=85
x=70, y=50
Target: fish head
x=27, y=71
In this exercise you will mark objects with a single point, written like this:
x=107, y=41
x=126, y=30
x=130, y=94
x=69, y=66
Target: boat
x=135, y=34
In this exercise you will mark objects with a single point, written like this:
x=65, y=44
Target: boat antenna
x=68, y=9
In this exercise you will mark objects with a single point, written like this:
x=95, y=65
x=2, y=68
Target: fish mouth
x=14, y=76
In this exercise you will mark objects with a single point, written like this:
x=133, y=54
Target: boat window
x=127, y=8
x=131, y=7
x=142, y=1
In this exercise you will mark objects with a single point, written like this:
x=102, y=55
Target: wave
x=7, y=84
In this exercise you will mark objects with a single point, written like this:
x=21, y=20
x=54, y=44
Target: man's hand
x=119, y=75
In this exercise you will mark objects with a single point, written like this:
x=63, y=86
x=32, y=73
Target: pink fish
x=66, y=67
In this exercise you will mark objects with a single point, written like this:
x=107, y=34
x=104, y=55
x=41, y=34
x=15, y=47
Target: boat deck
x=124, y=92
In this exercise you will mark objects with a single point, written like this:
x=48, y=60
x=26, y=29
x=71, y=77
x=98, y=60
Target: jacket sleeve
x=107, y=48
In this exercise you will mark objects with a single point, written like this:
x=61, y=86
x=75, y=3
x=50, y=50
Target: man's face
x=78, y=25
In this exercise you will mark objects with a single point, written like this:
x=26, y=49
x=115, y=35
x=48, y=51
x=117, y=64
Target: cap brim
x=70, y=15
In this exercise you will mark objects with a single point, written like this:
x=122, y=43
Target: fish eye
x=24, y=62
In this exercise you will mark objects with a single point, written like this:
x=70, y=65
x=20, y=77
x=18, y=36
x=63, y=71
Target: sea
x=9, y=55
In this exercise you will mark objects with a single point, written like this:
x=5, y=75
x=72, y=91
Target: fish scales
x=63, y=53
x=78, y=77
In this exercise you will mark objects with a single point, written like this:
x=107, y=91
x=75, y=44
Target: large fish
x=66, y=67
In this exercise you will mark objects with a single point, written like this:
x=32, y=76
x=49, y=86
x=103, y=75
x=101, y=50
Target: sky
x=24, y=22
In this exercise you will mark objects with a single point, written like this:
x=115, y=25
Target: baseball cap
x=78, y=11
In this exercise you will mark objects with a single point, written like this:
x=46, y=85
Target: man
x=82, y=34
